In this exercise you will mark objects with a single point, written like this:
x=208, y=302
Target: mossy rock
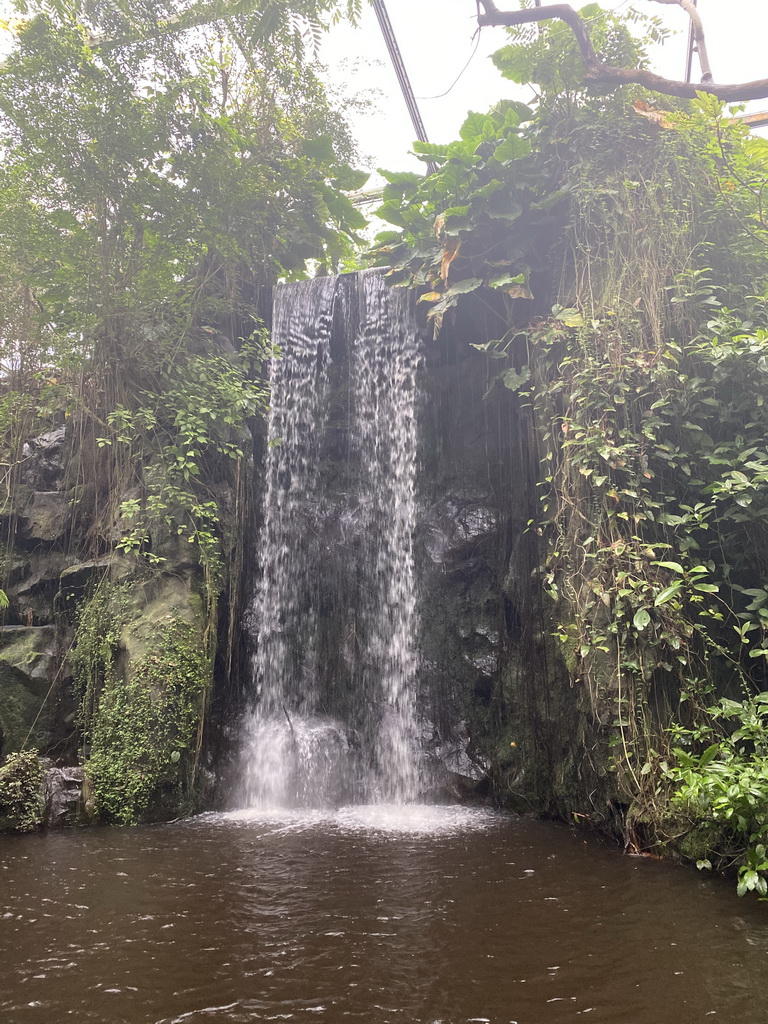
x=155, y=604
x=147, y=725
x=144, y=666
x=27, y=657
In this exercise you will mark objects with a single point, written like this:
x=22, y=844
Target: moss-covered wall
x=107, y=663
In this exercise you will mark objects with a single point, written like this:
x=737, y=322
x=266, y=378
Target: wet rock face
x=46, y=517
x=472, y=504
x=28, y=659
x=36, y=530
x=454, y=526
x=65, y=802
x=45, y=459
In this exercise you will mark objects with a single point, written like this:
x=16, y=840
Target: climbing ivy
x=100, y=623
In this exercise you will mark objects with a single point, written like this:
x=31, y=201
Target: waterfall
x=385, y=366
x=336, y=715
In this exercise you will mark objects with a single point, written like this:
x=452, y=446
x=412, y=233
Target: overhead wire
x=402, y=75
x=455, y=82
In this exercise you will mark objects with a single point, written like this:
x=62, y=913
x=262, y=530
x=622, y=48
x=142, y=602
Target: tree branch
x=698, y=34
x=598, y=73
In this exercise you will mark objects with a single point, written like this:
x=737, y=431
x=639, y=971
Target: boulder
x=63, y=797
x=453, y=526
x=47, y=517
x=45, y=459
x=27, y=666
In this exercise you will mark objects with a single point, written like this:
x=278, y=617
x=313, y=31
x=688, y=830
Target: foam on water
x=426, y=819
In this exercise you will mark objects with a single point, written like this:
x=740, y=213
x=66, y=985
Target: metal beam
x=757, y=120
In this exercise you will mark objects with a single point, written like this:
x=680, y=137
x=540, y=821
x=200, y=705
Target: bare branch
x=698, y=34
x=598, y=73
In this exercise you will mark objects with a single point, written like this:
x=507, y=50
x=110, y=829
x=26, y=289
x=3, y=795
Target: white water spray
x=295, y=753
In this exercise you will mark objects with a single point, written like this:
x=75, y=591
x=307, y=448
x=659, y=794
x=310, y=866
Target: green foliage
x=550, y=58
x=141, y=722
x=147, y=192
x=726, y=783
x=644, y=359
x=97, y=638
x=145, y=731
x=21, y=795
x=498, y=205
x=159, y=171
x=182, y=434
x=467, y=226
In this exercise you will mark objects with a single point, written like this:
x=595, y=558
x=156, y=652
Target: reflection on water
x=376, y=915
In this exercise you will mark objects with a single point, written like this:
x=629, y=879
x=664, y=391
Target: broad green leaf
x=674, y=566
x=430, y=151
x=709, y=755
x=667, y=594
x=469, y=284
x=514, y=112
x=474, y=126
x=641, y=619
x=512, y=148
x=502, y=280
x=514, y=380
x=401, y=177
x=570, y=317
x=348, y=179
x=319, y=147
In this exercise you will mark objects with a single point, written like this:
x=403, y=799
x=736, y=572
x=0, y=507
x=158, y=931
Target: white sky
x=435, y=38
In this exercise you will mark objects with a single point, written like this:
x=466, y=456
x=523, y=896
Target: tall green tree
x=152, y=183
x=161, y=166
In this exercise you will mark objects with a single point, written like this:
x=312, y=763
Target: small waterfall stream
x=314, y=740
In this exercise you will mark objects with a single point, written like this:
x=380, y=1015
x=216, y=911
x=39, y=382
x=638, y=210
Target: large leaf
x=666, y=594
x=470, y=284
x=514, y=379
x=642, y=618
x=320, y=148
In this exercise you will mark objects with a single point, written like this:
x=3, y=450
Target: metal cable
x=402, y=75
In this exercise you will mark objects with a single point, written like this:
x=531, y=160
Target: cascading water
x=313, y=738
x=386, y=358
x=280, y=741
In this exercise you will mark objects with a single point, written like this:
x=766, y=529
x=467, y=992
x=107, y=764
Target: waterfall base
x=299, y=762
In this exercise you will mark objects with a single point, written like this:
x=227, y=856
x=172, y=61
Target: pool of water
x=375, y=915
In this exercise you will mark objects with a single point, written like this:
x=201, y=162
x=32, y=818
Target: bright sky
x=435, y=38
x=436, y=41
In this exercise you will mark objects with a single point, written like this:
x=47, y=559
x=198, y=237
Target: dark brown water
x=462, y=916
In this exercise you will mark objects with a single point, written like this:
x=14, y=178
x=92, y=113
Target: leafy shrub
x=629, y=284
x=21, y=801
x=727, y=784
